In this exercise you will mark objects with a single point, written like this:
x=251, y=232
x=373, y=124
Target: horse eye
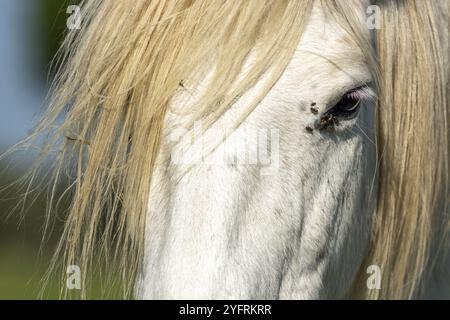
x=347, y=107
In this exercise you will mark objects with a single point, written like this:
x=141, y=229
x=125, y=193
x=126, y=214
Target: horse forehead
x=328, y=50
x=323, y=40
x=324, y=37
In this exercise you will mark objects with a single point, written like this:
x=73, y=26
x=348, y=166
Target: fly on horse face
x=353, y=118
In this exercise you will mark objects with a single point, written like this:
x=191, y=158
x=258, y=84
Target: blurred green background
x=30, y=34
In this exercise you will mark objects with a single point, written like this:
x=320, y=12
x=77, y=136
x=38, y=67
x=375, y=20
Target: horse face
x=281, y=208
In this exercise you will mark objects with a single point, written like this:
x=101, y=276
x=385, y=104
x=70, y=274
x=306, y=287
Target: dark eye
x=348, y=106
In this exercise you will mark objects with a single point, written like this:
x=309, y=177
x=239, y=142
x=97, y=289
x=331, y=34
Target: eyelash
x=363, y=92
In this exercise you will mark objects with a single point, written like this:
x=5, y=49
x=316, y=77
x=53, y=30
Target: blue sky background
x=22, y=80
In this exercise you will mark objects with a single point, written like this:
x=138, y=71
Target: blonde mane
x=119, y=73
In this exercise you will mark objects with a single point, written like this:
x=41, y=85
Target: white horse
x=319, y=170
x=300, y=231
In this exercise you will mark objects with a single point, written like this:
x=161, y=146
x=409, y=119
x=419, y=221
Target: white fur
x=234, y=230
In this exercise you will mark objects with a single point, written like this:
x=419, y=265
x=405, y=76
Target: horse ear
x=413, y=144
